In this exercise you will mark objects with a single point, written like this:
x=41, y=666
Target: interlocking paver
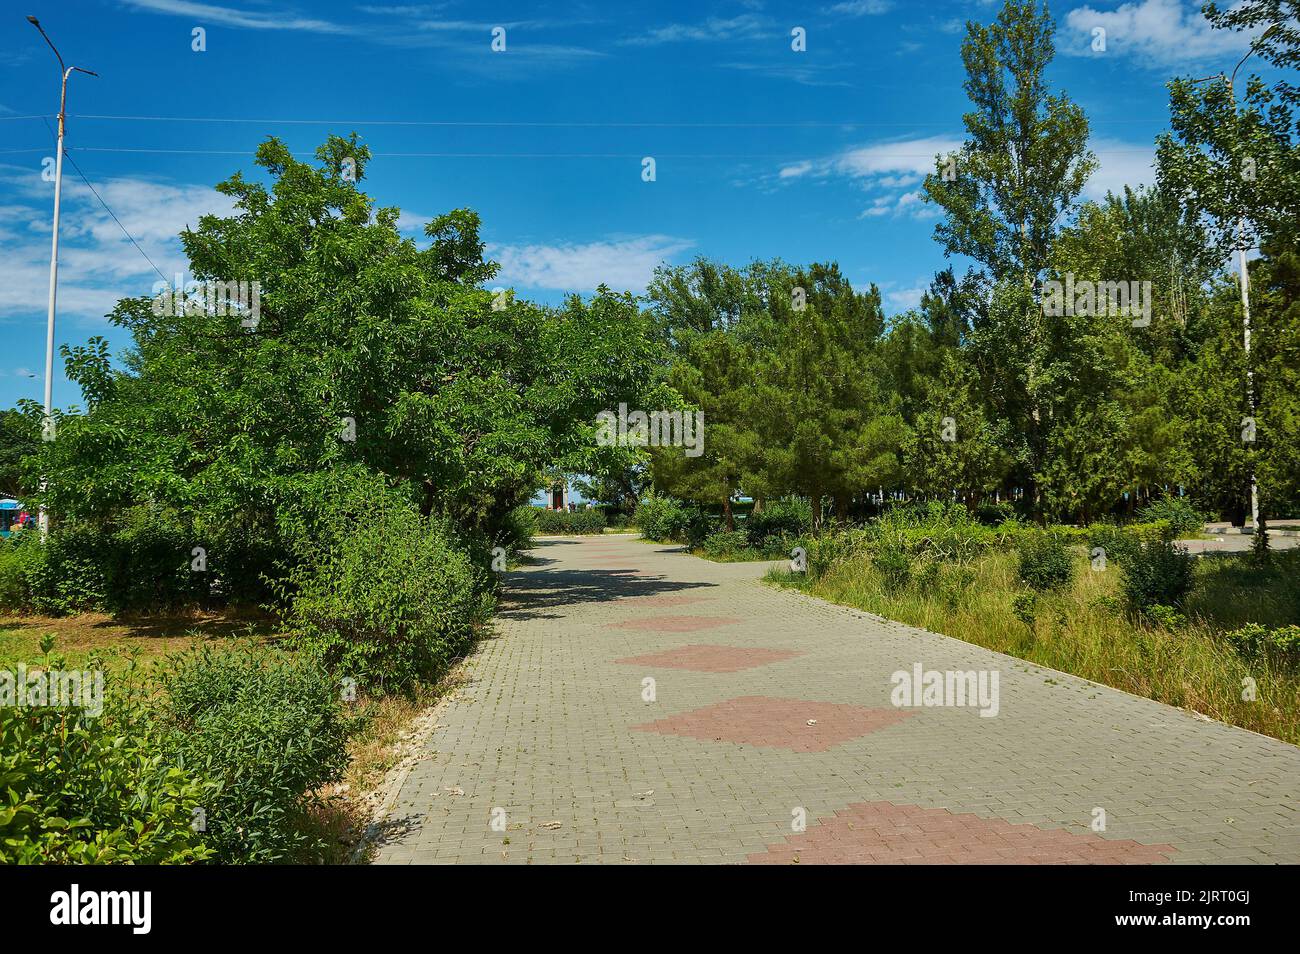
x=552, y=727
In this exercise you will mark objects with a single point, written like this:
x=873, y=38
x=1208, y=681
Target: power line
x=827, y=124
x=92, y=188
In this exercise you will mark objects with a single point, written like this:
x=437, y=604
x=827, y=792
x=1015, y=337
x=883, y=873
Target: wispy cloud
x=622, y=263
x=889, y=172
x=409, y=26
x=270, y=19
x=97, y=263
x=861, y=8
x=741, y=27
x=1153, y=33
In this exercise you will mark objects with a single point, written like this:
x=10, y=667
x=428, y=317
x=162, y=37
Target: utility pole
x=48, y=424
x=1245, y=281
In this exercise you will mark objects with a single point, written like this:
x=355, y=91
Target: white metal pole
x=54, y=291
x=1250, y=383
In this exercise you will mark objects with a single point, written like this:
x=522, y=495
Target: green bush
x=516, y=533
x=830, y=549
x=269, y=729
x=80, y=789
x=1281, y=643
x=1044, y=561
x=590, y=520
x=789, y=517
x=894, y=563
x=67, y=574
x=669, y=521
x=725, y=544
x=1119, y=543
x=392, y=601
x=940, y=530
x=1158, y=574
x=1183, y=519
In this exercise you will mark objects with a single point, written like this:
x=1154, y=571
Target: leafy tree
x=1019, y=173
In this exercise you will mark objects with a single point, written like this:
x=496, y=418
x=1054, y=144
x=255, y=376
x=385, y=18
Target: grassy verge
x=1084, y=630
x=387, y=725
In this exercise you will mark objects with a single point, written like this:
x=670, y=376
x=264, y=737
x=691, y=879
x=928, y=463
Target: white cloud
x=1120, y=164
x=743, y=26
x=861, y=8
x=622, y=263
x=97, y=263
x=1154, y=33
x=888, y=171
x=230, y=16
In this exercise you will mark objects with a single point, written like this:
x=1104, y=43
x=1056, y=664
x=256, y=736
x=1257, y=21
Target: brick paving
x=775, y=739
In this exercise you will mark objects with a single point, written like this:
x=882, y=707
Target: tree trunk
x=729, y=518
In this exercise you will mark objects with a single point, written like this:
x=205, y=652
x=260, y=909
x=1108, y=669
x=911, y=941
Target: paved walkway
x=772, y=737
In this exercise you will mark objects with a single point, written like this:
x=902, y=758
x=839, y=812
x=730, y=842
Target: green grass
x=1084, y=630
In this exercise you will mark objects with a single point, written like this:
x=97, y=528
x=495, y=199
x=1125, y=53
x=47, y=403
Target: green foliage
x=894, y=563
x=585, y=520
x=1183, y=519
x=81, y=789
x=270, y=729
x=1158, y=573
x=1120, y=544
x=667, y=520
x=787, y=517
x=388, y=600
x=67, y=574
x=725, y=544
x=1024, y=607
x=1280, y=643
x=1044, y=562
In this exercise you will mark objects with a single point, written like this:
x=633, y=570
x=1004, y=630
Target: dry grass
x=1083, y=630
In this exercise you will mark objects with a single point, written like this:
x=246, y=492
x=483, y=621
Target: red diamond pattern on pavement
x=711, y=658
x=885, y=833
x=778, y=723
x=675, y=624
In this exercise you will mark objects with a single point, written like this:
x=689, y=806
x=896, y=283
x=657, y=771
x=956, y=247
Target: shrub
x=1119, y=543
x=1183, y=519
x=517, y=530
x=566, y=522
x=830, y=549
x=392, y=601
x=789, y=517
x=80, y=789
x=670, y=521
x=270, y=730
x=66, y=575
x=1159, y=573
x=724, y=544
x=893, y=562
x=147, y=563
x=940, y=530
x=1044, y=562
x=1280, y=643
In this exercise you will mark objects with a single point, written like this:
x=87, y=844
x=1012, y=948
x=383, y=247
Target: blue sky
x=761, y=151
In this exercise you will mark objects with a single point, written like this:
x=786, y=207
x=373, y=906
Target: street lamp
x=1245, y=276
x=54, y=253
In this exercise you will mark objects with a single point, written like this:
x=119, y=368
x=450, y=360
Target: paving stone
x=553, y=727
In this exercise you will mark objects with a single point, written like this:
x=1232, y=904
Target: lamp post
x=1245, y=276
x=54, y=256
